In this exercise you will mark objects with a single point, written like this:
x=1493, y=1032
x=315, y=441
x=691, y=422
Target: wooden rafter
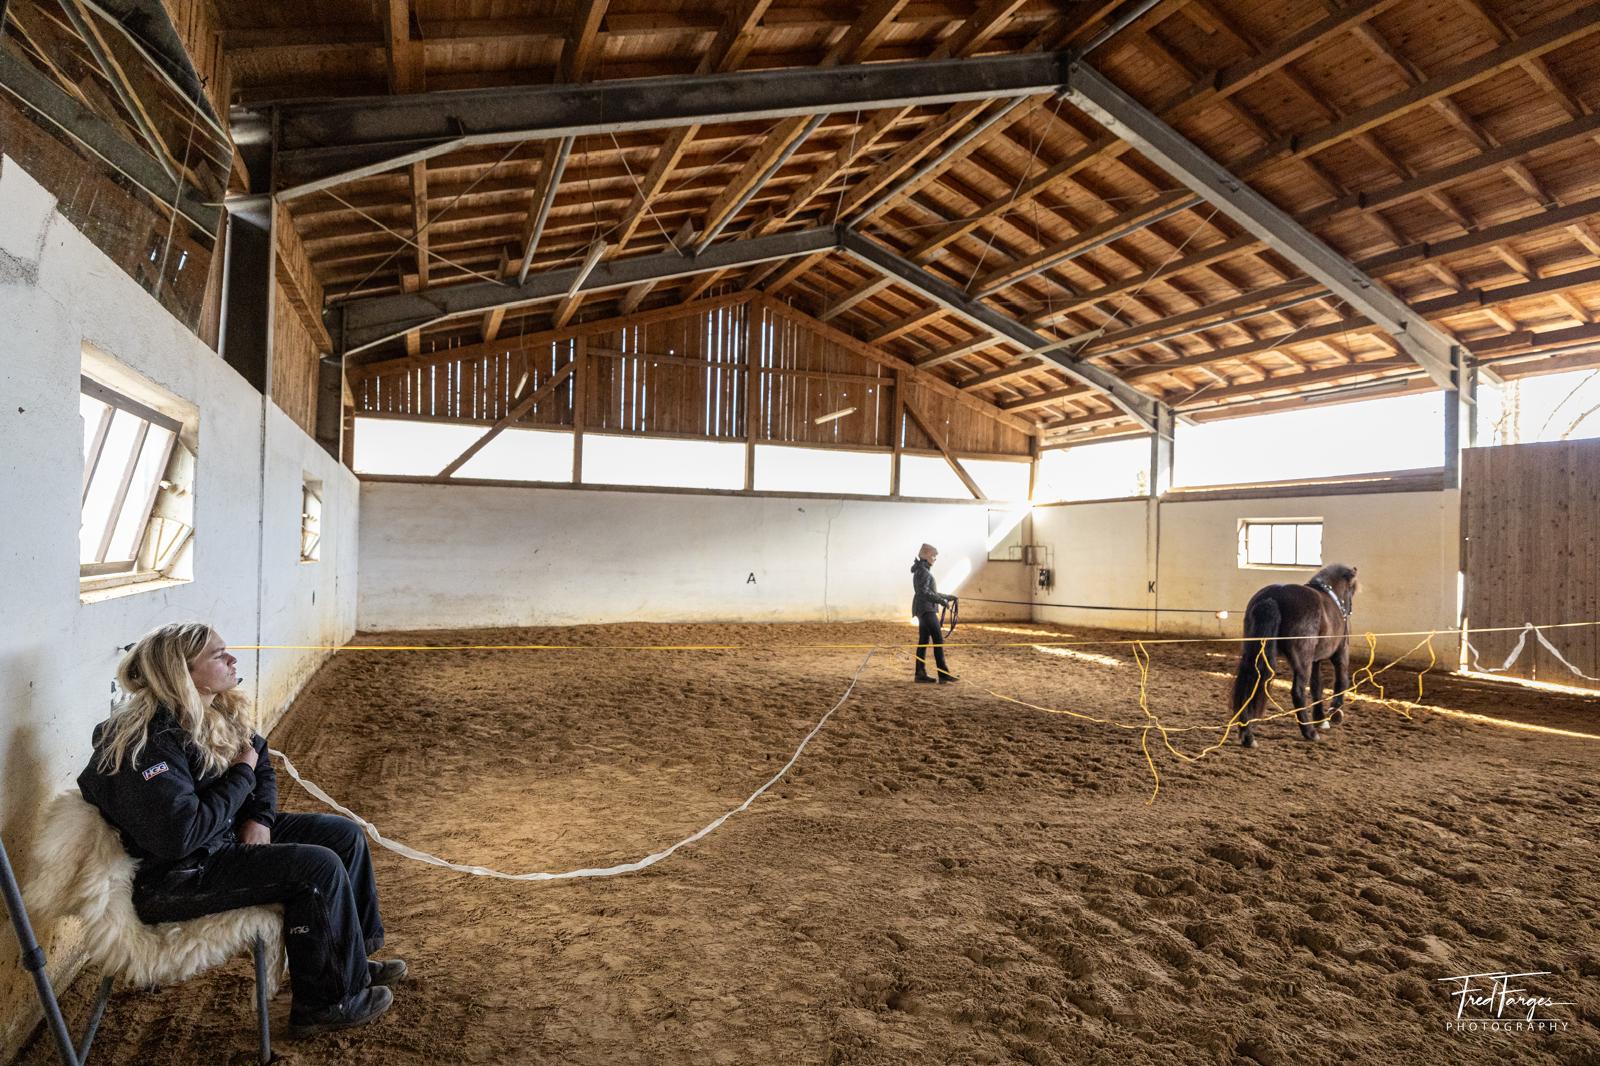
x=938, y=442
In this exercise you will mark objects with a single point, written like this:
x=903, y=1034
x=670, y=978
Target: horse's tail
x=1262, y=619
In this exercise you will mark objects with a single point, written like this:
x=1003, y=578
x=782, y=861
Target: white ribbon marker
x=1516, y=653
x=608, y=871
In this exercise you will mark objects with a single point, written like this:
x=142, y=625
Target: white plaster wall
x=1102, y=554
x=1405, y=545
x=312, y=605
x=57, y=654
x=438, y=556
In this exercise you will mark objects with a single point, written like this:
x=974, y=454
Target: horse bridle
x=952, y=611
x=1318, y=583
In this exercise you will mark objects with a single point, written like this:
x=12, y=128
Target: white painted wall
x=447, y=556
x=1405, y=545
x=57, y=654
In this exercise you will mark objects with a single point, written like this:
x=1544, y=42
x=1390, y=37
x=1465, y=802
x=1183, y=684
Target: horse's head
x=1342, y=580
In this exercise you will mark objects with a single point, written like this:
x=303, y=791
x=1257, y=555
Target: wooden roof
x=1447, y=147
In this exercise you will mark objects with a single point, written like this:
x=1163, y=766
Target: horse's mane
x=1335, y=573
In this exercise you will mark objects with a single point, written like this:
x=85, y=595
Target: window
x=127, y=451
x=1359, y=437
x=417, y=448
x=1549, y=407
x=931, y=477
x=1107, y=470
x=310, y=521
x=654, y=461
x=1280, y=542
x=782, y=468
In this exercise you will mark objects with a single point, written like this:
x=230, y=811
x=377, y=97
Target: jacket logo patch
x=155, y=771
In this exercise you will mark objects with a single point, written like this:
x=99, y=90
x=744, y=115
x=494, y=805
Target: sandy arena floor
x=944, y=877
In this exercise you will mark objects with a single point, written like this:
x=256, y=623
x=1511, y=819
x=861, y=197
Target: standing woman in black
x=925, y=604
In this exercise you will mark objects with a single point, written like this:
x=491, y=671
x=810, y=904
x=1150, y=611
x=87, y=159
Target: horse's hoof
x=1325, y=724
x=1247, y=740
x=1311, y=735
x=1337, y=717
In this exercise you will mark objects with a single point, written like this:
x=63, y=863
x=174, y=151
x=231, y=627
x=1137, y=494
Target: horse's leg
x=1341, y=680
x=1319, y=703
x=1257, y=701
x=1297, y=690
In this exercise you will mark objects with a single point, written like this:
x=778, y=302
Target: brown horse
x=1307, y=625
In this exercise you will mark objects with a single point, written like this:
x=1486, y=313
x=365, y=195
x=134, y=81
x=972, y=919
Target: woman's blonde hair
x=154, y=674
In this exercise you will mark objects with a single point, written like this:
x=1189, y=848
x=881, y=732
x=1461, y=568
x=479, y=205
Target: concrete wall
x=438, y=556
x=1405, y=544
x=58, y=654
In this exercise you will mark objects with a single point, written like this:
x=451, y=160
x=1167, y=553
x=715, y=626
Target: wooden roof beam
x=404, y=54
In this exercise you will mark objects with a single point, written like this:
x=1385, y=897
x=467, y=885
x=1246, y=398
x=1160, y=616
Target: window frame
x=1294, y=524
x=115, y=401
x=310, y=524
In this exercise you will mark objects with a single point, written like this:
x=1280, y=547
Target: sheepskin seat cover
x=81, y=870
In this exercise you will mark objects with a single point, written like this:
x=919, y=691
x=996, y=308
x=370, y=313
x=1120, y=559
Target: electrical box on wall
x=1046, y=579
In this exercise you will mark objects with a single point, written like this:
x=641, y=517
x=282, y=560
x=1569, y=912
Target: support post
x=580, y=402
x=247, y=284
x=753, y=310
x=898, y=432
x=1460, y=425
x=1161, y=453
x=1034, y=453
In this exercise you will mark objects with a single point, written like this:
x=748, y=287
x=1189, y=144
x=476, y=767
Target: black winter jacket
x=926, y=596
x=168, y=810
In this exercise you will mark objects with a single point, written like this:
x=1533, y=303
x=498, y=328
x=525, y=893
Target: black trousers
x=928, y=633
x=319, y=868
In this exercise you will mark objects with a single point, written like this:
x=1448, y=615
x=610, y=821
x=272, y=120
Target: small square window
x=310, y=521
x=1280, y=543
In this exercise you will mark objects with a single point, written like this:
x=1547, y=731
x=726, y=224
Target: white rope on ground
x=1516, y=653
x=608, y=871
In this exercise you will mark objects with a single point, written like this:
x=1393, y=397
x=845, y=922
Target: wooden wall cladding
x=296, y=361
x=1530, y=527
x=687, y=376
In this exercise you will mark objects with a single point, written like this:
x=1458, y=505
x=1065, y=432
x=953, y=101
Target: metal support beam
x=1136, y=404
x=247, y=291
x=1118, y=112
x=366, y=322
x=556, y=165
x=100, y=137
x=326, y=142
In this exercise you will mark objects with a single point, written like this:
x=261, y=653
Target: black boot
x=388, y=973
x=359, y=1009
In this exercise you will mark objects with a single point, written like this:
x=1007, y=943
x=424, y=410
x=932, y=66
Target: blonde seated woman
x=190, y=789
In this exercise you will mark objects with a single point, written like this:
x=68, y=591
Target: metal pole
x=33, y=960
x=558, y=167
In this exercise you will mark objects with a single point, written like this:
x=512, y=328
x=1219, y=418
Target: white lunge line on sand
x=1516, y=653
x=608, y=871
